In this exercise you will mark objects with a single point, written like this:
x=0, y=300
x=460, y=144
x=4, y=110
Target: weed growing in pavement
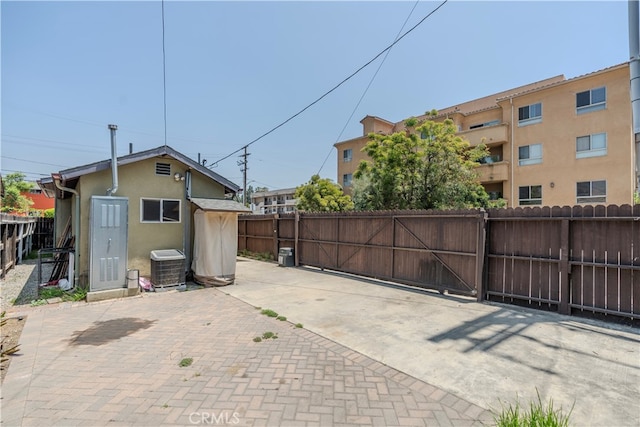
x=260, y=256
x=536, y=416
x=299, y=325
x=281, y=318
x=187, y=361
x=266, y=336
x=270, y=313
x=37, y=302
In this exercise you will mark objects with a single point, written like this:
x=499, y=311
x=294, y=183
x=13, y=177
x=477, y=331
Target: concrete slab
x=485, y=353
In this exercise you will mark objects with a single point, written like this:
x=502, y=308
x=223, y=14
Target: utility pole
x=243, y=168
x=634, y=71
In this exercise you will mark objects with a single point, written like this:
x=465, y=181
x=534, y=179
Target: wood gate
x=442, y=251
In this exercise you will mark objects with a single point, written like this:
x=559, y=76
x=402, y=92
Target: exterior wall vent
x=163, y=169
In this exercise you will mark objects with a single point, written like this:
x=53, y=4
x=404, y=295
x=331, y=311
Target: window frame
x=591, y=106
x=591, y=198
x=344, y=179
x=527, y=161
x=161, y=220
x=529, y=120
x=530, y=201
x=347, y=155
x=591, y=152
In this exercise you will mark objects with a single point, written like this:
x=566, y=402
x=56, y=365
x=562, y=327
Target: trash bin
x=285, y=257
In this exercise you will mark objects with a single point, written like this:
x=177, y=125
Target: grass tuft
x=187, y=361
x=270, y=313
x=538, y=415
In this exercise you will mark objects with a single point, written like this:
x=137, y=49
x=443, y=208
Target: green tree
x=425, y=167
x=322, y=195
x=13, y=200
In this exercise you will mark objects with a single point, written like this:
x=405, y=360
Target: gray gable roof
x=165, y=150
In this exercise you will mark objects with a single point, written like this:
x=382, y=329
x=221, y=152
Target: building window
x=591, y=100
x=591, y=145
x=530, y=114
x=347, y=155
x=530, y=195
x=591, y=191
x=159, y=210
x=163, y=169
x=346, y=179
x=530, y=154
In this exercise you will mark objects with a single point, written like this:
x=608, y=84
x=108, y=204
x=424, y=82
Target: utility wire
x=367, y=88
x=164, y=79
x=32, y=161
x=332, y=89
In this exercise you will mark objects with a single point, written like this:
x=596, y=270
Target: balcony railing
x=490, y=135
x=494, y=172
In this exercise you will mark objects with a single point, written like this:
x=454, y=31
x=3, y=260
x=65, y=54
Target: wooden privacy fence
x=438, y=250
x=571, y=258
x=566, y=259
x=16, y=233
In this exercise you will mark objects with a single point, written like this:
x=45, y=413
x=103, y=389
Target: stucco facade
x=555, y=142
x=157, y=175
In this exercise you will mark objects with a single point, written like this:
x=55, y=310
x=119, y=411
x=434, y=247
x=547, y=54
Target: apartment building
x=275, y=201
x=553, y=142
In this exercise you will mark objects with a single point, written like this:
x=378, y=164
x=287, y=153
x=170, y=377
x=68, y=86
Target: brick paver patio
x=117, y=363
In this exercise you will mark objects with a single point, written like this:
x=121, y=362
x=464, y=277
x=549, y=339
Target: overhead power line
x=333, y=88
x=164, y=79
x=367, y=88
x=32, y=161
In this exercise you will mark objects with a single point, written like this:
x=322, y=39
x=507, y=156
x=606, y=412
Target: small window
x=530, y=154
x=347, y=155
x=159, y=210
x=530, y=195
x=346, y=179
x=591, y=100
x=163, y=169
x=591, y=192
x=530, y=114
x=591, y=145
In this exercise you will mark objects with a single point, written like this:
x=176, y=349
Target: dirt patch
x=11, y=332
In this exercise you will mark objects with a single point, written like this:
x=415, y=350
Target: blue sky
x=235, y=70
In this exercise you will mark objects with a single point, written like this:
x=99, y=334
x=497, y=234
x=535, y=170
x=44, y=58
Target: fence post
x=564, y=268
x=276, y=235
x=480, y=255
x=296, y=235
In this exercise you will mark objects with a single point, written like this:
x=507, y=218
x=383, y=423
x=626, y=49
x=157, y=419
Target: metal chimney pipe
x=634, y=72
x=114, y=162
